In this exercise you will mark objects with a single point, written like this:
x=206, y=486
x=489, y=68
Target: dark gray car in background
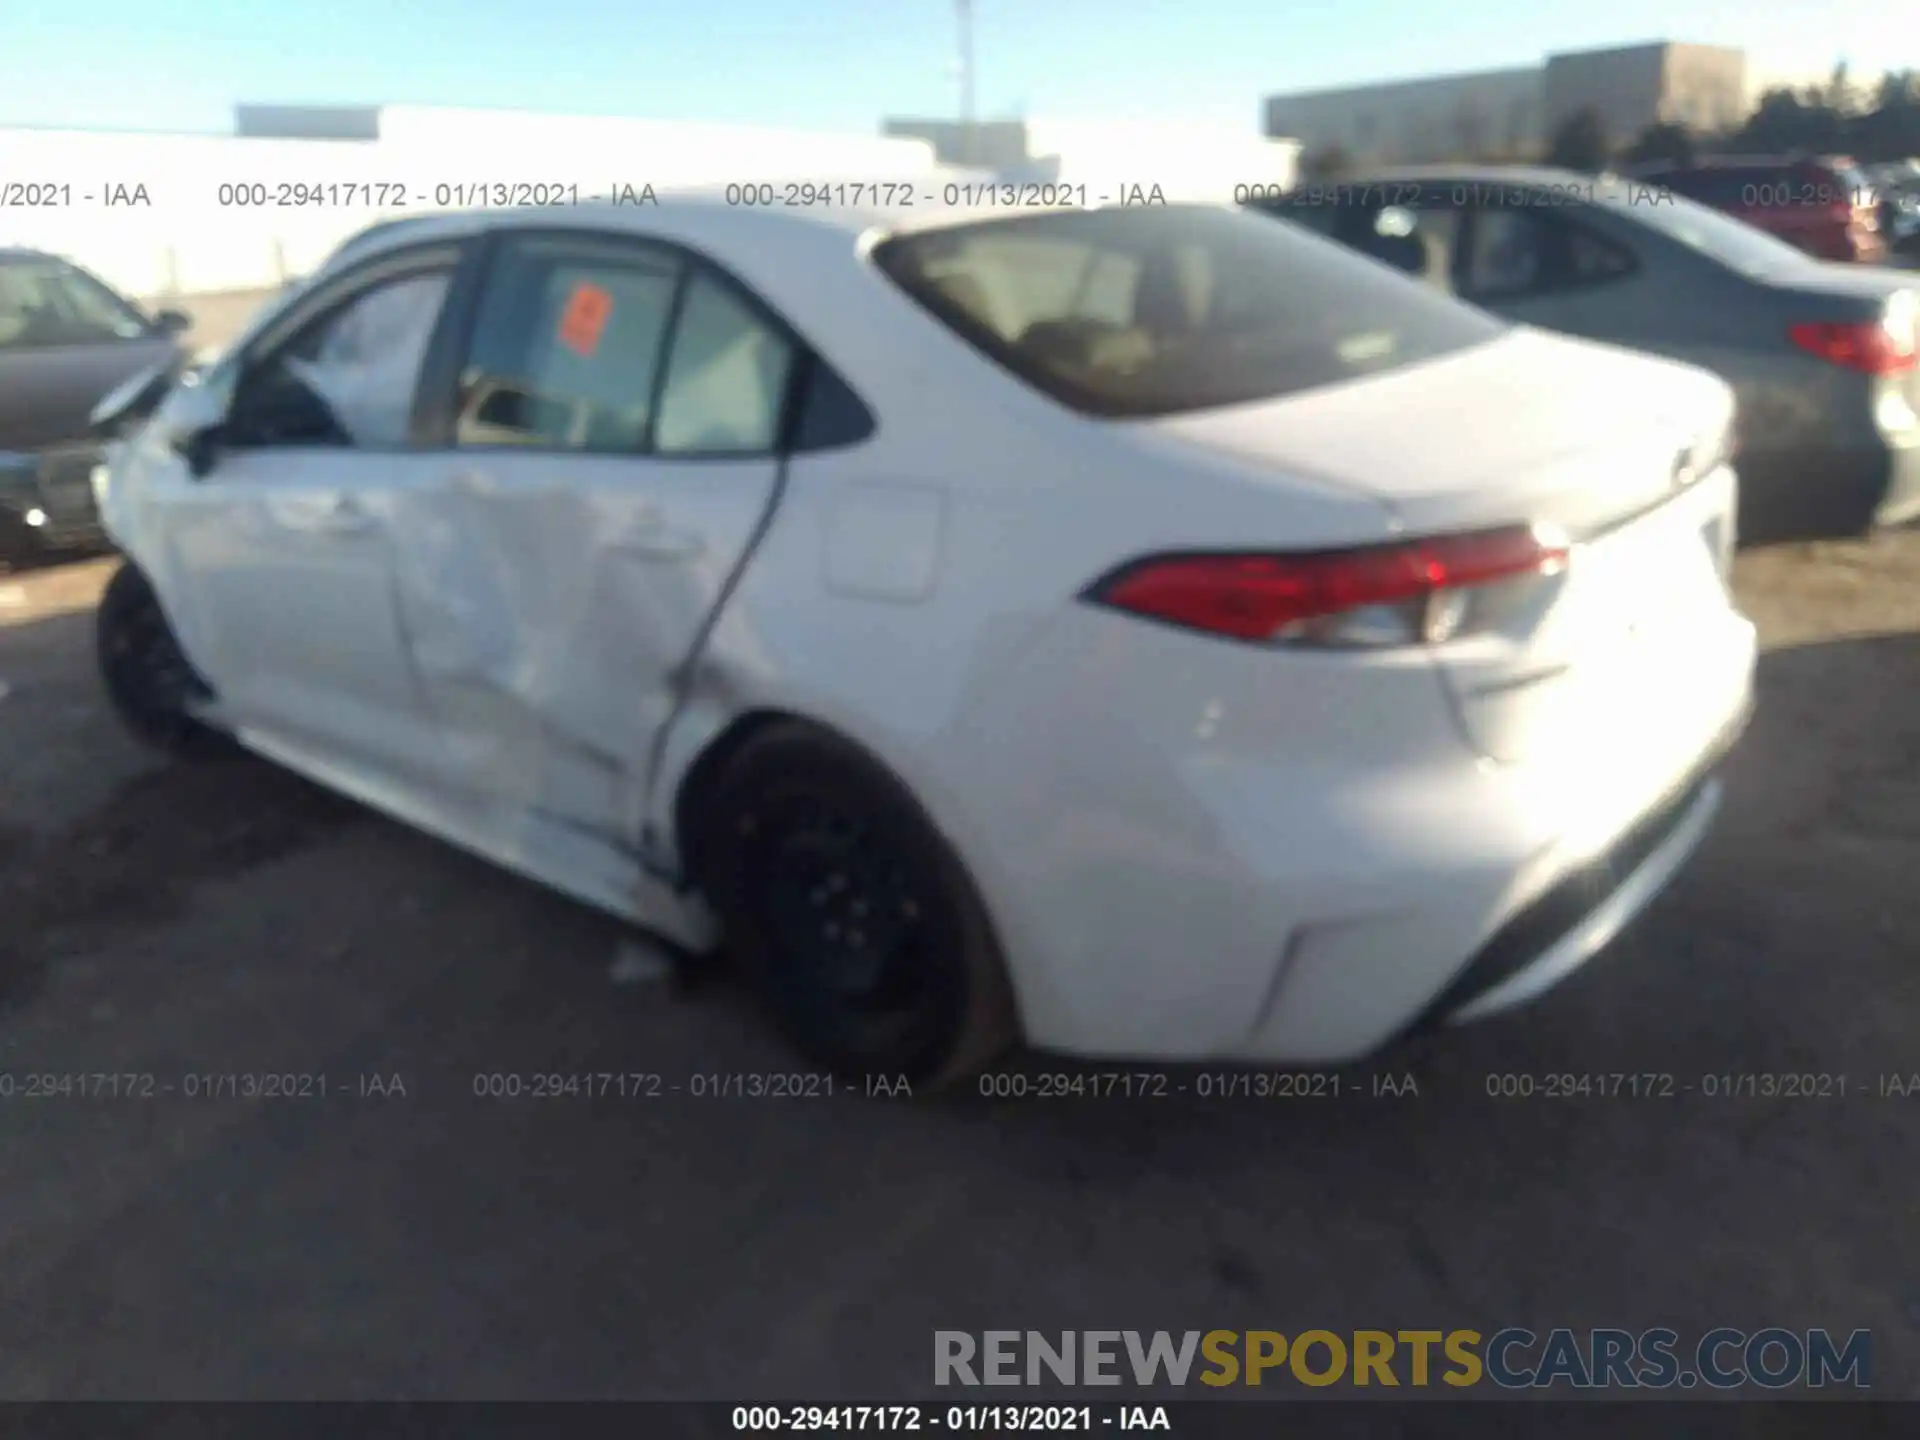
x=67, y=341
x=1821, y=356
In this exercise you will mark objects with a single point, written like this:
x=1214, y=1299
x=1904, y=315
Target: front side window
x=1154, y=310
x=349, y=377
x=46, y=302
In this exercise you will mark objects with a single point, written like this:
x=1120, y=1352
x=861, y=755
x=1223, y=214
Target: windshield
x=1734, y=243
x=1152, y=310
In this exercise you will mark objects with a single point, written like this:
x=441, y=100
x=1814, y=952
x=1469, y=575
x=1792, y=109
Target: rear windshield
x=1154, y=310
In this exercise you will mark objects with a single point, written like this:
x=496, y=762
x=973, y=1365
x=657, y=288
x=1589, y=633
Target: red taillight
x=1264, y=597
x=1869, y=347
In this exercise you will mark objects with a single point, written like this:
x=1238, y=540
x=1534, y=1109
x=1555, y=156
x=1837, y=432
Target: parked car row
x=1898, y=188
x=67, y=340
x=1824, y=205
x=1152, y=631
x=1822, y=357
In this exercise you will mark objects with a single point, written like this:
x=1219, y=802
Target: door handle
x=345, y=517
x=336, y=515
x=662, y=544
x=647, y=535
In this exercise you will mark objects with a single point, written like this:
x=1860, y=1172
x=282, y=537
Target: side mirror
x=196, y=420
x=173, y=322
x=199, y=448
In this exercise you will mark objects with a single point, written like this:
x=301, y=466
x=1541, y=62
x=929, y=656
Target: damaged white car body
x=710, y=566
x=488, y=644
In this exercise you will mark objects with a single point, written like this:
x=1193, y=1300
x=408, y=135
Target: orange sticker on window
x=584, y=319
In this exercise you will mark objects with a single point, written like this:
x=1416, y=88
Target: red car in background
x=1825, y=206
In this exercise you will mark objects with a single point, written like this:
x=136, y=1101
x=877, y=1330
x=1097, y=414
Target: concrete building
x=1703, y=87
x=307, y=122
x=1510, y=114
x=1487, y=112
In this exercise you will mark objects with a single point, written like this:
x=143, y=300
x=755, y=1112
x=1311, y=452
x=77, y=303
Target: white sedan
x=1151, y=631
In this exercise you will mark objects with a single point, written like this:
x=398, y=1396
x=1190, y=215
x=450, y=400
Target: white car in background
x=1153, y=631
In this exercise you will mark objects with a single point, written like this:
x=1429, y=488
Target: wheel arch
x=693, y=794
x=693, y=818
x=691, y=810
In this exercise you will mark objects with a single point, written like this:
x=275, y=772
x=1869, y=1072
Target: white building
x=164, y=215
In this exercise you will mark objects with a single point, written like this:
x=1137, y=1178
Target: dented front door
x=550, y=602
x=613, y=458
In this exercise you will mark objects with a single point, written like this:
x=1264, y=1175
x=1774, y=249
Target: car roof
x=1485, y=174
x=704, y=211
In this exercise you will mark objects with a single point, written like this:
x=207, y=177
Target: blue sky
x=841, y=64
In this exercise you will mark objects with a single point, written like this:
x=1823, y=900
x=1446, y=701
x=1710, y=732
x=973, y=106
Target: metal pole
x=967, y=130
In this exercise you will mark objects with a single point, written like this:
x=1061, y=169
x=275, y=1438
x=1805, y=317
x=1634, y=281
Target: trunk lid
x=1528, y=428
x=1637, y=632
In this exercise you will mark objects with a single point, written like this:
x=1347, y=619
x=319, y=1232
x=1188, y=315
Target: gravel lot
x=178, y=921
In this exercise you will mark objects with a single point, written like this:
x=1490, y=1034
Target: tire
x=149, y=681
x=850, y=914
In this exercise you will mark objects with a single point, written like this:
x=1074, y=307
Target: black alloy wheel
x=856, y=922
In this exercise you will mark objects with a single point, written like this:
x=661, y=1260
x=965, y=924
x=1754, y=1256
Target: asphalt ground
x=407, y=1237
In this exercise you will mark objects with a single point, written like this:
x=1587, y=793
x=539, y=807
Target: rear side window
x=1155, y=310
x=726, y=377
x=619, y=348
x=569, y=338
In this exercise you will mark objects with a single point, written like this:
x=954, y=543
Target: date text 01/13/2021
x=200, y=1085
x=470, y=194
x=959, y=1419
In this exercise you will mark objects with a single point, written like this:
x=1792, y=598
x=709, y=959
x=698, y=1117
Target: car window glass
x=566, y=347
x=1436, y=229
x=1588, y=259
x=726, y=376
x=1217, y=306
x=1702, y=229
x=1531, y=251
x=1106, y=292
x=1505, y=255
x=49, y=303
x=349, y=378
